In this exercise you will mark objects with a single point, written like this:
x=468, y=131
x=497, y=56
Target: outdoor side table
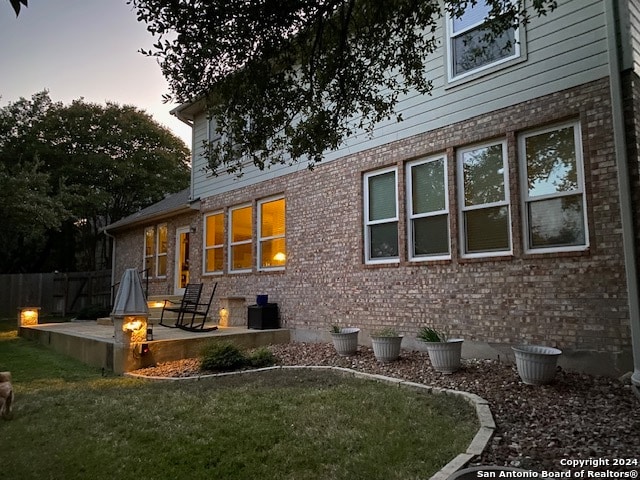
x=263, y=317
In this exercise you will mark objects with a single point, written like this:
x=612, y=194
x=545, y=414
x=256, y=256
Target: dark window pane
x=473, y=50
x=551, y=162
x=427, y=183
x=384, y=240
x=557, y=222
x=487, y=230
x=431, y=236
x=382, y=196
x=483, y=170
x=472, y=15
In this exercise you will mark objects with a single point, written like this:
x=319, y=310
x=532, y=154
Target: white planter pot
x=445, y=356
x=536, y=364
x=346, y=342
x=386, y=349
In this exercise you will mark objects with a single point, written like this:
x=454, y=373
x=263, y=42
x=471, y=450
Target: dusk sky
x=82, y=48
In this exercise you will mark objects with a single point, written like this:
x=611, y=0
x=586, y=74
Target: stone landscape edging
x=483, y=412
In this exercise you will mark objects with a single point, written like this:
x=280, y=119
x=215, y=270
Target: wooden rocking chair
x=190, y=310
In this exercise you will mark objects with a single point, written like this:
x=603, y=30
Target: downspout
x=626, y=212
x=113, y=261
x=176, y=112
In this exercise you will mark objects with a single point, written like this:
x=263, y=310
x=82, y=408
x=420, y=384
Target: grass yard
x=72, y=423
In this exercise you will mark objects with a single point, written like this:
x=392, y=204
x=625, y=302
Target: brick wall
x=575, y=301
x=130, y=251
x=631, y=87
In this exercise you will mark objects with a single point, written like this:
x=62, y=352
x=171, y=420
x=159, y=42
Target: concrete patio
x=95, y=345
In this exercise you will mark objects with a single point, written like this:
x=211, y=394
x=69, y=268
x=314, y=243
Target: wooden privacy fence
x=54, y=293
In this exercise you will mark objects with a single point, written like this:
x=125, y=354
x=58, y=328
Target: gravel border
x=575, y=417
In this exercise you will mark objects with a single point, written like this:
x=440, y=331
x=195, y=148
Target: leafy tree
x=29, y=211
x=28, y=206
x=16, y=4
x=289, y=80
x=68, y=170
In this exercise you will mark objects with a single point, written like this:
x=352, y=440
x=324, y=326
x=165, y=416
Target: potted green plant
x=386, y=344
x=444, y=352
x=345, y=340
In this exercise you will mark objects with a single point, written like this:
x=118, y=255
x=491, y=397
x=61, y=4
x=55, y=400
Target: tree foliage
x=17, y=4
x=68, y=170
x=286, y=80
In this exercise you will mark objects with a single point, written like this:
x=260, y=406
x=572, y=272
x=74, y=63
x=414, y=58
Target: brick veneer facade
x=631, y=86
x=130, y=248
x=575, y=301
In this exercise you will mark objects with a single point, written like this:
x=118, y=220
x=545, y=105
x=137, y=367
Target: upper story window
x=381, y=216
x=428, y=209
x=469, y=51
x=241, y=238
x=553, y=189
x=484, y=204
x=212, y=133
x=155, y=251
x=213, y=242
x=272, y=249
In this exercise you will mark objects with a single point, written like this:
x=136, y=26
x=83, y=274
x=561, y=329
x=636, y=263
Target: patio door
x=182, y=260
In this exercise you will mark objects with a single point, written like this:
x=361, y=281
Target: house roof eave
x=171, y=206
x=187, y=111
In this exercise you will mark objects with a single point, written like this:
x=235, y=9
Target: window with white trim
x=149, y=260
x=240, y=238
x=213, y=242
x=381, y=216
x=428, y=209
x=484, y=204
x=555, y=217
x=155, y=251
x=215, y=137
x=469, y=50
x=272, y=249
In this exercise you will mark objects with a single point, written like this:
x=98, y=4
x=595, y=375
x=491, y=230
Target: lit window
x=214, y=242
x=469, y=49
x=381, y=216
x=155, y=251
x=240, y=239
x=162, y=251
x=428, y=209
x=149, y=264
x=272, y=247
x=553, y=186
x=485, y=213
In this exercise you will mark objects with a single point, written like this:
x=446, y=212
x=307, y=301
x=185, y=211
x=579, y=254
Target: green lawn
x=72, y=423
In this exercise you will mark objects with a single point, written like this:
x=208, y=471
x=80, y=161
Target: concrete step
x=156, y=302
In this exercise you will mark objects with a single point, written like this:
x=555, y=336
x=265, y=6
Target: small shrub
x=262, y=357
x=93, y=312
x=386, y=332
x=428, y=334
x=222, y=356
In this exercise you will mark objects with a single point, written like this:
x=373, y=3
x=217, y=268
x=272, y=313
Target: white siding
x=566, y=48
x=630, y=32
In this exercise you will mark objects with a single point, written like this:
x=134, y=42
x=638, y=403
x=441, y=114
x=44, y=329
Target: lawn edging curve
x=483, y=412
